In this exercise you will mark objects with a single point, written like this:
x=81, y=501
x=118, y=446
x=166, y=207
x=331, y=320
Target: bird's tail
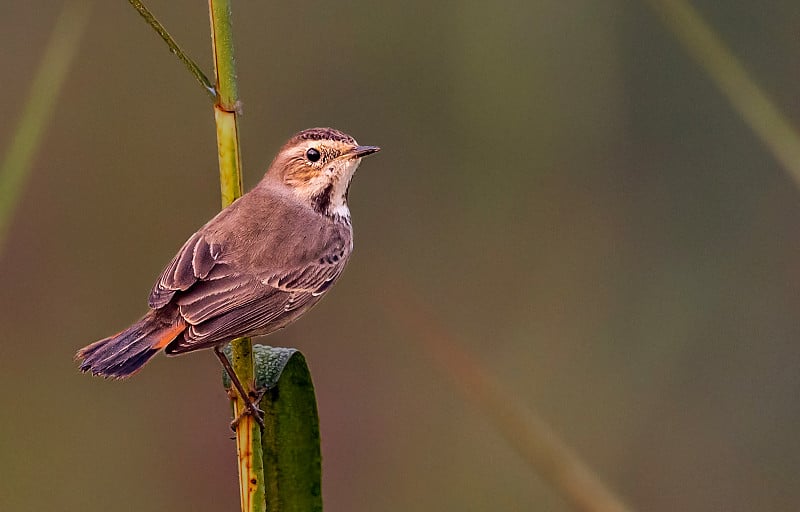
x=123, y=354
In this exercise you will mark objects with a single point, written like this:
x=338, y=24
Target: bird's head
x=316, y=165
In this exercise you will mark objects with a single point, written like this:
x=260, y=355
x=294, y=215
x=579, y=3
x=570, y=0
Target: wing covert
x=195, y=261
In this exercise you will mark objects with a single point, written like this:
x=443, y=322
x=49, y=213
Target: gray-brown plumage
x=254, y=268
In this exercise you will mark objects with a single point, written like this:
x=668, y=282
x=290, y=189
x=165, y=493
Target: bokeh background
x=563, y=189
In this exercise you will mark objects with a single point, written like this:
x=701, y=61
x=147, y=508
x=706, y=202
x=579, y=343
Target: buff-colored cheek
x=301, y=175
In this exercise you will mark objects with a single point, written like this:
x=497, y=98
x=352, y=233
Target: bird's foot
x=251, y=398
x=250, y=408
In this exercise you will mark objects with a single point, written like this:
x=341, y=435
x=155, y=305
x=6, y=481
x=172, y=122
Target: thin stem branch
x=248, y=432
x=193, y=68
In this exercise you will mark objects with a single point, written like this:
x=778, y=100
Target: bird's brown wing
x=220, y=302
x=227, y=308
x=195, y=261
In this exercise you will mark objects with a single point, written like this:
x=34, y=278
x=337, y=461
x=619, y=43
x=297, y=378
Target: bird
x=256, y=267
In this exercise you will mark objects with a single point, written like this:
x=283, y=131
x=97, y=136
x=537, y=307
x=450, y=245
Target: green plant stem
x=193, y=68
x=53, y=68
x=226, y=108
x=248, y=432
x=744, y=94
x=224, y=63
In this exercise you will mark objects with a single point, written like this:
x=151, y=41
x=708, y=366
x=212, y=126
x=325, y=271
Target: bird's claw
x=251, y=409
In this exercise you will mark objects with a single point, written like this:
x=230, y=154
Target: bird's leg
x=250, y=399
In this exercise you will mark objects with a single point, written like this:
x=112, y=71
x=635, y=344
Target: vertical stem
x=225, y=109
x=248, y=433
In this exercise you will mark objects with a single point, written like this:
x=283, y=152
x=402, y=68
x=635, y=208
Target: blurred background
x=561, y=186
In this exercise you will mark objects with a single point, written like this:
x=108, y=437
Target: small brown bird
x=254, y=268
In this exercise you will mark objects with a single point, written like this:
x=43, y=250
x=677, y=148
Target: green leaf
x=291, y=441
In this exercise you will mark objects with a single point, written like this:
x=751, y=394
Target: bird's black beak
x=362, y=151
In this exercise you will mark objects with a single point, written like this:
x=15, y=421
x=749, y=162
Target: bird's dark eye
x=312, y=155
